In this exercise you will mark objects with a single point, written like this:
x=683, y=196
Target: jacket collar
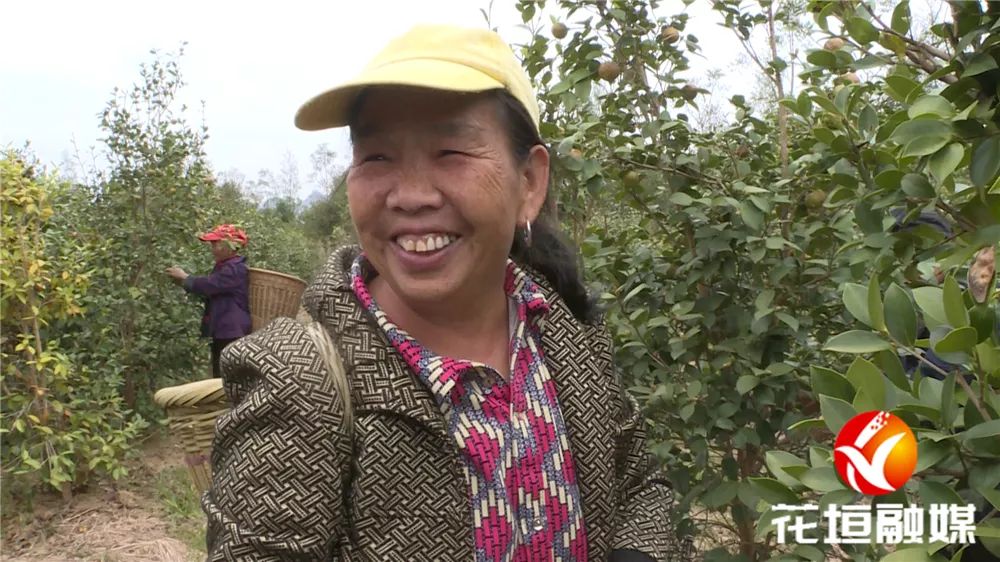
x=380, y=378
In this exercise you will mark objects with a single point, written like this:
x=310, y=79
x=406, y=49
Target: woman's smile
x=425, y=253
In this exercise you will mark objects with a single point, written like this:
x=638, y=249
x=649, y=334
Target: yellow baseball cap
x=442, y=57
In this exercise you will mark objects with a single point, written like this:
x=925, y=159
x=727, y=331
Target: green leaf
x=803, y=104
x=992, y=495
x=901, y=87
x=836, y=412
x=820, y=456
x=776, y=462
x=822, y=58
x=918, y=554
x=843, y=496
x=861, y=30
x=681, y=199
x=746, y=383
x=922, y=146
x=856, y=341
x=869, y=220
x=983, y=318
x=720, y=495
x=789, y=320
x=901, y=18
x=958, y=340
x=985, y=161
x=864, y=375
x=954, y=304
x=978, y=64
x=929, y=453
x=773, y=491
x=916, y=129
x=892, y=43
x=809, y=552
x=945, y=161
x=807, y=424
x=890, y=364
x=916, y=185
x=831, y=383
x=931, y=104
x=635, y=291
x=889, y=179
x=931, y=301
x=935, y=492
x=867, y=121
x=764, y=300
x=752, y=216
x=900, y=318
x=856, y=300
x=985, y=429
x=823, y=479
x=875, y=304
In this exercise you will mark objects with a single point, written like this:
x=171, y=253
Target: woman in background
x=226, y=290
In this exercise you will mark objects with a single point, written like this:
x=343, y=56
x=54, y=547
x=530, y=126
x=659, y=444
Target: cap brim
x=330, y=109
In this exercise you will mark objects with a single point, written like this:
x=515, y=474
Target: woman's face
x=221, y=250
x=435, y=192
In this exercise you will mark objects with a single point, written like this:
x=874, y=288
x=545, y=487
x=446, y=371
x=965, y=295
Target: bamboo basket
x=192, y=409
x=273, y=294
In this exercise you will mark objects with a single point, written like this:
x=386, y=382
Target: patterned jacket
x=284, y=484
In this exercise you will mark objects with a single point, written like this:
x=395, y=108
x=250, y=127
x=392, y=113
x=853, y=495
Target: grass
x=180, y=504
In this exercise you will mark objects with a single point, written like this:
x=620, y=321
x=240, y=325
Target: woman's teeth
x=426, y=243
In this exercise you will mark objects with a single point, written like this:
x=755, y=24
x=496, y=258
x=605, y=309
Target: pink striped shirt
x=511, y=434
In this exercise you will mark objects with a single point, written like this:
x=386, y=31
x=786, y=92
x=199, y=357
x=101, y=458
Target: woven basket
x=192, y=409
x=273, y=294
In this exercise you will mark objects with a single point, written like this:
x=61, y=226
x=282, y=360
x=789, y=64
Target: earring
x=527, y=234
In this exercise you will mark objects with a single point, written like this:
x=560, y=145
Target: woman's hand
x=177, y=273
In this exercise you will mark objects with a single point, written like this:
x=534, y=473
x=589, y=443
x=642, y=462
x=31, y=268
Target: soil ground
x=152, y=514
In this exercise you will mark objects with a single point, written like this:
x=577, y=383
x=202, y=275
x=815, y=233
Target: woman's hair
x=550, y=253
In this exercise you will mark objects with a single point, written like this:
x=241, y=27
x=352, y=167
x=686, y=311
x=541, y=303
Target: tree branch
x=927, y=65
x=919, y=354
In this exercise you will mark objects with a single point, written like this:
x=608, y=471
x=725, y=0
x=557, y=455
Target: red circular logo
x=875, y=453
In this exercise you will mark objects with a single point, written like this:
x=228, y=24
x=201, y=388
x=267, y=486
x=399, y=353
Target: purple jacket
x=227, y=312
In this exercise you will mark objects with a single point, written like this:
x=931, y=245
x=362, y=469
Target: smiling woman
x=488, y=422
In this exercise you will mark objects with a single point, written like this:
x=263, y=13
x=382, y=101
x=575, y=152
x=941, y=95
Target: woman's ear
x=534, y=182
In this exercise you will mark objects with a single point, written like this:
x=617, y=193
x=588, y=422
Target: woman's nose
x=415, y=189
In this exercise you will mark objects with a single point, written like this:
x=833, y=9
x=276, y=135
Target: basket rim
x=277, y=274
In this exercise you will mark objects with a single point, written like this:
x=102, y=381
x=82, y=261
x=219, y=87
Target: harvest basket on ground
x=192, y=408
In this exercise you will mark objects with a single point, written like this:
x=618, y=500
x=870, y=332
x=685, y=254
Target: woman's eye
x=448, y=152
x=374, y=158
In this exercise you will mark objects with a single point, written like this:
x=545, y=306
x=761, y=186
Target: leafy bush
x=62, y=420
x=722, y=255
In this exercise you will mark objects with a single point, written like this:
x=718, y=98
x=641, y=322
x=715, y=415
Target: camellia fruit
x=670, y=35
x=850, y=77
x=609, y=71
x=815, y=198
x=834, y=44
x=559, y=30
x=631, y=178
x=689, y=92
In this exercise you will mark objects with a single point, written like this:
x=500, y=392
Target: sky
x=251, y=64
